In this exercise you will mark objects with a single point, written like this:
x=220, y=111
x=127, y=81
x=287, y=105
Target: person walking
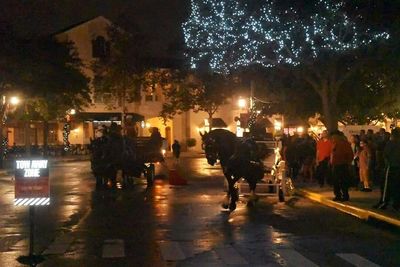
x=382, y=139
x=341, y=158
x=355, y=164
x=323, y=154
x=364, y=159
x=391, y=190
x=176, y=149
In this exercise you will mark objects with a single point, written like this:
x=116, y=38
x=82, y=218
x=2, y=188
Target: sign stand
x=31, y=259
x=31, y=230
x=31, y=189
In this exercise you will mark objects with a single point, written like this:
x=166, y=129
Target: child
x=364, y=161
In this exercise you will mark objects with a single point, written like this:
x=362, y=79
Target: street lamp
x=242, y=103
x=300, y=130
x=278, y=125
x=5, y=109
x=14, y=100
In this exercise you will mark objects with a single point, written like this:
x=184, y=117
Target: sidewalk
x=360, y=204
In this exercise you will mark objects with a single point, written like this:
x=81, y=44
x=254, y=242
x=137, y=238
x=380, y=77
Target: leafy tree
x=46, y=74
x=319, y=43
x=122, y=72
x=198, y=92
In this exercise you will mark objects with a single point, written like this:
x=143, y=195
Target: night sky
x=159, y=19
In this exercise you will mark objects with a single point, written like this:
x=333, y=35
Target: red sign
x=32, y=186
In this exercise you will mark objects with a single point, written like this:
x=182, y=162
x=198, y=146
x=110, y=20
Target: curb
x=351, y=210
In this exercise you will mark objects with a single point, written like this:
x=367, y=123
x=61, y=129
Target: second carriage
x=275, y=181
x=120, y=158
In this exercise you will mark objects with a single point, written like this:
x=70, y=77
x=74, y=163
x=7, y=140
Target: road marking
x=171, y=251
x=20, y=245
x=230, y=256
x=60, y=245
x=113, y=248
x=356, y=260
x=8, y=242
x=293, y=258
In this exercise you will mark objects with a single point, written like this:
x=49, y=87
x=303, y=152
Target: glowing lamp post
x=242, y=103
x=300, y=130
x=7, y=103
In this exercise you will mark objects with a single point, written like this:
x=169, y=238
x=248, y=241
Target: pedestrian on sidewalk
x=365, y=159
x=341, y=158
x=324, y=150
x=391, y=190
x=355, y=164
x=382, y=139
x=176, y=149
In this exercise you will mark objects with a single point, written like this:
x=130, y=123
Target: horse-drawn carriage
x=117, y=156
x=257, y=162
x=274, y=182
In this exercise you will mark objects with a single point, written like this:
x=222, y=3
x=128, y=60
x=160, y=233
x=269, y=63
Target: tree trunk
x=210, y=122
x=45, y=137
x=329, y=110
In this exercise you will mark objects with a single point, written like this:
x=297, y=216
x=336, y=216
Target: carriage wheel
x=150, y=173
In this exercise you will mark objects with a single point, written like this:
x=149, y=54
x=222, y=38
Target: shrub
x=191, y=142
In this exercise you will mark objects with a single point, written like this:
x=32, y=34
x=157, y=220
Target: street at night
x=200, y=133
x=184, y=226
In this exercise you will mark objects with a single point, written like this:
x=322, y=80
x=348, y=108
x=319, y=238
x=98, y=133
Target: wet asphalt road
x=184, y=226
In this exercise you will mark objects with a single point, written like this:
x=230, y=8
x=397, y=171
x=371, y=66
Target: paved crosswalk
x=187, y=254
x=230, y=256
x=60, y=245
x=293, y=258
x=357, y=260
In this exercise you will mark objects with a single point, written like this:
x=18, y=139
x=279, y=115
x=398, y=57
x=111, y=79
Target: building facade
x=91, y=42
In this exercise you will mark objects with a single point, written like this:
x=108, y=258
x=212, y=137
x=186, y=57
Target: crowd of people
x=365, y=160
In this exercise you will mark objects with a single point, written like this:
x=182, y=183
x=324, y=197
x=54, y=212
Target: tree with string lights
x=320, y=44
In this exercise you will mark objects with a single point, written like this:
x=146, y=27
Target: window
x=151, y=94
x=149, y=97
x=98, y=97
x=100, y=48
x=103, y=98
x=107, y=98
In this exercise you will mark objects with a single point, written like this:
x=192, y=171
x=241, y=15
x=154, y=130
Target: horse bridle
x=210, y=149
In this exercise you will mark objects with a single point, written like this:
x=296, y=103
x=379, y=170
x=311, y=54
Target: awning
x=216, y=123
x=109, y=116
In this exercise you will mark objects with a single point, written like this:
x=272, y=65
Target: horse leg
x=234, y=193
x=253, y=196
x=225, y=201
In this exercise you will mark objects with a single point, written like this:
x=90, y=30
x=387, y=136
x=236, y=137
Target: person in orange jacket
x=341, y=158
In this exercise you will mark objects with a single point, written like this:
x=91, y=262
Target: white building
x=91, y=41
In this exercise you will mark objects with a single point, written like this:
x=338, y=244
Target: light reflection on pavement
x=187, y=216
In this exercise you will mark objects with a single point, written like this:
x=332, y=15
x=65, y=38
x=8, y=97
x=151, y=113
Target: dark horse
x=237, y=159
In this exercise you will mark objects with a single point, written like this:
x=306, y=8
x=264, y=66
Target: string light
x=253, y=116
x=66, y=132
x=229, y=35
x=5, y=146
